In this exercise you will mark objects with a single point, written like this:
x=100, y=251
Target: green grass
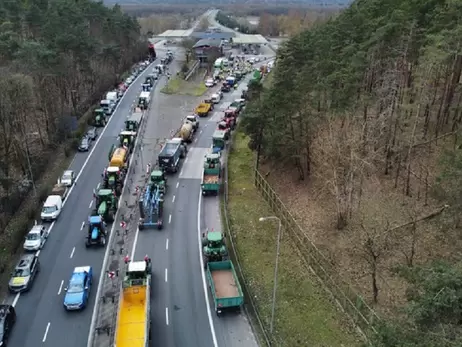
x=305, y=316
x=179, y=86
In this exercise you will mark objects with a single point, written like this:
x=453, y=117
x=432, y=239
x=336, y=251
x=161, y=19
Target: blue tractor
x=97, y=233
x=152, y=202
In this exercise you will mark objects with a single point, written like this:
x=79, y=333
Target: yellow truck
x=133, y=318
x=203, y=109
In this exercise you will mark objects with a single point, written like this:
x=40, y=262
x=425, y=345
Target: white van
x=218, y=63
x=108, y=106
x=216, y=98
x=51, y=208
x=112, y=96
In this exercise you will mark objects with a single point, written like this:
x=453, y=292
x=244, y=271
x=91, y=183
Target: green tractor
x=213, y=247
x=159, y=180
x=113, y=179
x=127, y=140
x=99, y=118
x=106, y=204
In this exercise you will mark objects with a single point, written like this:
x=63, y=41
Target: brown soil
x=225, y=286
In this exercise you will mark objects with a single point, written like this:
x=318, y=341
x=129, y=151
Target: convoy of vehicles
x=133, y=322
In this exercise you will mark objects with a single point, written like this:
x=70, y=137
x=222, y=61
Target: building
x=207, y=50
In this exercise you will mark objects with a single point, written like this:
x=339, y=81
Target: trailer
x=225, y=287
x=152, y=202
x=133, y=317
x=211, y=174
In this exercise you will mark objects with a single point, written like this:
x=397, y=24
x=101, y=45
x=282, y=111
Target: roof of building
x=208, y=43
x=213, y=35
x=176, y=33
x=250, y=39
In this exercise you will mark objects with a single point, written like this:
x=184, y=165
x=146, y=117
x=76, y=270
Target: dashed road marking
x=72, y=253
x=46, y=332
x=60, y=287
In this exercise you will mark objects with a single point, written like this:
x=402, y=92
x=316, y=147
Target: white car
x=68, y=178
x=210, y=82
x=216, y=98
x=36, y=238
x=129, y=80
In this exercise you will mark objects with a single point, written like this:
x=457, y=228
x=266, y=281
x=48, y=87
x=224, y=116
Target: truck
x=170, y=155
x=186, y=132
x=133, y=327
x=151, y=203
x=211, y=174
x=203, y=109
x=224, y=286
x=193, y=120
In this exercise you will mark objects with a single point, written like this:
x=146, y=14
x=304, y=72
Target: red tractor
x=224, y=126
x=230, y=118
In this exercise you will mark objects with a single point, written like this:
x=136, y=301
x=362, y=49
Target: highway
x=181, y=312
x=41, y=315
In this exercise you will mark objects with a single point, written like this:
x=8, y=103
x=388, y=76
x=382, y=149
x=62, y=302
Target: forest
x=359, y=132
x=57, y=58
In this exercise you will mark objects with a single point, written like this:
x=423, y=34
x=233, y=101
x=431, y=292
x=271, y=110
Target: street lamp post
x=275, y=280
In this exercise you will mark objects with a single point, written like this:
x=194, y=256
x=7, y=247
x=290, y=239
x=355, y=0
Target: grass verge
x=179, y=86
x=304, y=314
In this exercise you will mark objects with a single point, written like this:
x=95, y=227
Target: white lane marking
x=166, y=315
x=166, y=244
x=106, y=254
x=173, y=199
x=166, y=275
x=177, y=184
x=195, y=140
x=186, y=160
x=204, y=284
x=83, y=224
x=169, y=219
x=15, y=300
x=200, y=132
x=46, y=332
x=181, y=172
x=97, y=187
x=72, y=253
x=132, y=255
x=38, y=253
x=60, y=287
x=91, y=203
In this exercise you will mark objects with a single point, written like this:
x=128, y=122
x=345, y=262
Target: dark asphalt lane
x=40, y=311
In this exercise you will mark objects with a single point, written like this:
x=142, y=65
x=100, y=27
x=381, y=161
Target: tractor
x=213, y=247
x=159, y=181
x=106, y=204
x=224, y=126
x=113, y=179
x=127, y=139
x=99, y=118
x=97, y=233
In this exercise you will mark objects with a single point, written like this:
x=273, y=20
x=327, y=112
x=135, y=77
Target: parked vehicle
x=7, y=321
x=24, y=273
x=85, y=144
x=170, y=155
x=35, y=238
x=203, y=109
x=68, y=178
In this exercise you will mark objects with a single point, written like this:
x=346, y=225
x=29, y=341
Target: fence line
x=361, y=314
x=250, y=306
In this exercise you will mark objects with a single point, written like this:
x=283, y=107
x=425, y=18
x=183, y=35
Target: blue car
x=78, y=290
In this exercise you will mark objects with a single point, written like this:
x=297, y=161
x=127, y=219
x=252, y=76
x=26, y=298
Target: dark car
x=7, y=320
x=92, y=133
x=85, y=144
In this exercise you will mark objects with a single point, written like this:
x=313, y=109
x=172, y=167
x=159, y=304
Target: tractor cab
x=99, y=118
x=230, y=123
x=224, y=126
x=159, y=180
x=137, y=274
x=113, y=179
x=127, y=139
x=212, y=161
x=213, y=247
x=96, y=232
x=106, y=204
x=218, y=141
x=146, y=87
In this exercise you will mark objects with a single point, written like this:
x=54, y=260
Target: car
x=92, y=133
x=210, y=82
x=129, y=80
x=35, y=238
x=78, y=289
x=68, y=178
x=85, y=144
x=7, y=320
x=24, y=273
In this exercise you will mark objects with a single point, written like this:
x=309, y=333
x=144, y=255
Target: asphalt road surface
x=42, y=319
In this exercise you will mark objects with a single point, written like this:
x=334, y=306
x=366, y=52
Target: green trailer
x=211, y=174
x=225, y=287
